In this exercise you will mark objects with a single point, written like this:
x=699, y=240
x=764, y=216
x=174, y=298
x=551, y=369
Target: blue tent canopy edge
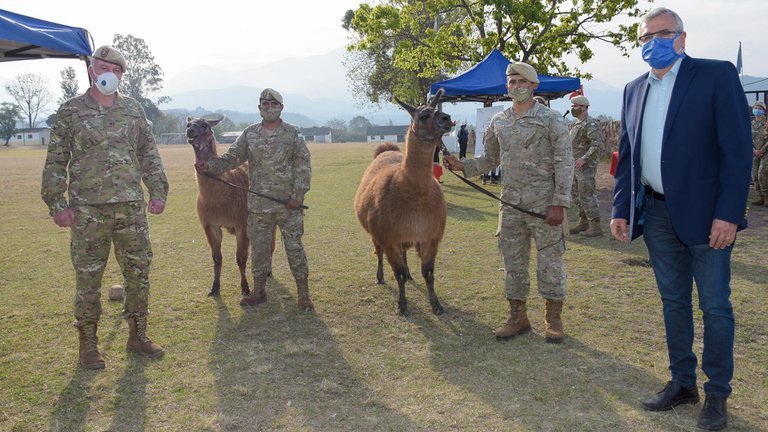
x=486, y=82
x=24, y=38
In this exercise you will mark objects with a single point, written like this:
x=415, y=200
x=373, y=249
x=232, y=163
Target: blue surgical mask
x=758, y=112
x=660, y=53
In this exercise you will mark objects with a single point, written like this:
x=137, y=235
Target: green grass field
x=354, y=364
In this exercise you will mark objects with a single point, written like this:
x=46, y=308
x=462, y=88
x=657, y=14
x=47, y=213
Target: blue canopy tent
x=486, y=83
x=25, y=38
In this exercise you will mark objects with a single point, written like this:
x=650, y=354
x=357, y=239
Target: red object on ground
x=437, y=170
x=614, y=162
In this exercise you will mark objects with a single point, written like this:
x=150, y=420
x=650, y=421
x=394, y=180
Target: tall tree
x=359, y=124
x=143, y=76
x=68, y=84
x=402, y=46
x=10, y=114
x=338, y=129
x=31, y=94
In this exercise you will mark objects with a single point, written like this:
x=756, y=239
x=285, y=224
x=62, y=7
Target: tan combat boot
x=583, y=224
x=302, y=287
x=554, y=332
x=138, y=341
x=258, y=294
x=594, y=229
x=90, y=358
x=518, y=321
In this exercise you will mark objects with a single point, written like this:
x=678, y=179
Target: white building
x=386, y=133
x=31, y=137
x=317, y=134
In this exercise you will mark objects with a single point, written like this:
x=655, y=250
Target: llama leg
x=380, y=267
x=405, y=262
x=395, y=258
x=213, y=235
x=427, y=254
x=242, y=259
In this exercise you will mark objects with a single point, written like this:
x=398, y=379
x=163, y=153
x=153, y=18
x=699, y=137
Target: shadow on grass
x=131, y=400
x=540, y=386
x=277, y=368
x=73, y=404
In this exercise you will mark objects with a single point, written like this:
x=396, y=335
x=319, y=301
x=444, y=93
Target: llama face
x=200, y=135
x=427, y=122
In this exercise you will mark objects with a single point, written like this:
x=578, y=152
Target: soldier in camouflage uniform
x=587, y=142
x=760, y=153
x=101, y=149
x=531, y=143
x=279, y=167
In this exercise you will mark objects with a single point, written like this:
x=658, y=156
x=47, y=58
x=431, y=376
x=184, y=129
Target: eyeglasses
x=666, y=34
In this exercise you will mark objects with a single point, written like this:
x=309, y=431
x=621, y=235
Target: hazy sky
x=229, y=35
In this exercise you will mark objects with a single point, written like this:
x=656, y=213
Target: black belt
x=654, y=194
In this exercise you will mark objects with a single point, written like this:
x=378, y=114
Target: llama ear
x=189, y=119
x=405, y=106
x=436, y=98
x=213, y=123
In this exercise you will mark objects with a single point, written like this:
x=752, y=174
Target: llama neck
x=419, y=155
x=209, y=151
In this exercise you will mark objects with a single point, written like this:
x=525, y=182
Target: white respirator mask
x=107, y=83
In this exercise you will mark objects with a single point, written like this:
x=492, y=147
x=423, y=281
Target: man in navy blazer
x=682, y=182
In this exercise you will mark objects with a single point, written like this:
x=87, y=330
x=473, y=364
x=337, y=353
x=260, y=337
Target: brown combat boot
x=594, y=229
x=583, y=224
x=90, y=358
x=554, y=332
x=302, y=287
x=258, y=294
x=516, y=324
x=138, y=341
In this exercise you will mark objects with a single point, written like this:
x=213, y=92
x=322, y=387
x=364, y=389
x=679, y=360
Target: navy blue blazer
x=706, y=152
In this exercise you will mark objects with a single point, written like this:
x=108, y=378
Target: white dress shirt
x=654, y=117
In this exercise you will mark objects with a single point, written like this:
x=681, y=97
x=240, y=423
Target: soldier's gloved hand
x=293, y=204
x=64, y=218
x=156, y=206
x=201, y=166
x=452, y=163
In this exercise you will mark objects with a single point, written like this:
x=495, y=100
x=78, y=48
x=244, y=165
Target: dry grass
x=354, y=364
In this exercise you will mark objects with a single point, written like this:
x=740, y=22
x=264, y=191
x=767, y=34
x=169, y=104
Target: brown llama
x=400, y=203
x=220, y=205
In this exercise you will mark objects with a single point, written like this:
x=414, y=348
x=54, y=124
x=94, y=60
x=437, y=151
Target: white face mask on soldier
x=107, y=83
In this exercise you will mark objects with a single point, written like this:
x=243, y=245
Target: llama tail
x=381, y=148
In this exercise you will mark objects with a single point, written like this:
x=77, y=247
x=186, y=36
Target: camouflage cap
x=269, y=93
x=527, y=71
x=580, y=100
x=759, y=104
x=110, y=55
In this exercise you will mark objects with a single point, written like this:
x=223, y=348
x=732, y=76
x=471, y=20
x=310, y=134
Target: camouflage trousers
x=96, y=228
x=515, y=232
x=291, y=224
x=584, y=191
x=760, y=175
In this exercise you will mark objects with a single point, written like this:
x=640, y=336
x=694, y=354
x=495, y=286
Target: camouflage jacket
x=534, y=151
x=760, y=134
x=101, y=155
x=586, y=139
x=278, y=165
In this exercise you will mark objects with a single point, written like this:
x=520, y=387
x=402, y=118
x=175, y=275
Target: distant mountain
x=316, y=89
x=239, y=117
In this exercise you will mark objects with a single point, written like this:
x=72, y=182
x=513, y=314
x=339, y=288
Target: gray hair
x=663, y=11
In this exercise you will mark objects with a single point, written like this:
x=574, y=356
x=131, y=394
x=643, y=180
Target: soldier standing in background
x=587, y=144
x=531, y=143
x=760, y=153
x=279, y=167
x=101, y=150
